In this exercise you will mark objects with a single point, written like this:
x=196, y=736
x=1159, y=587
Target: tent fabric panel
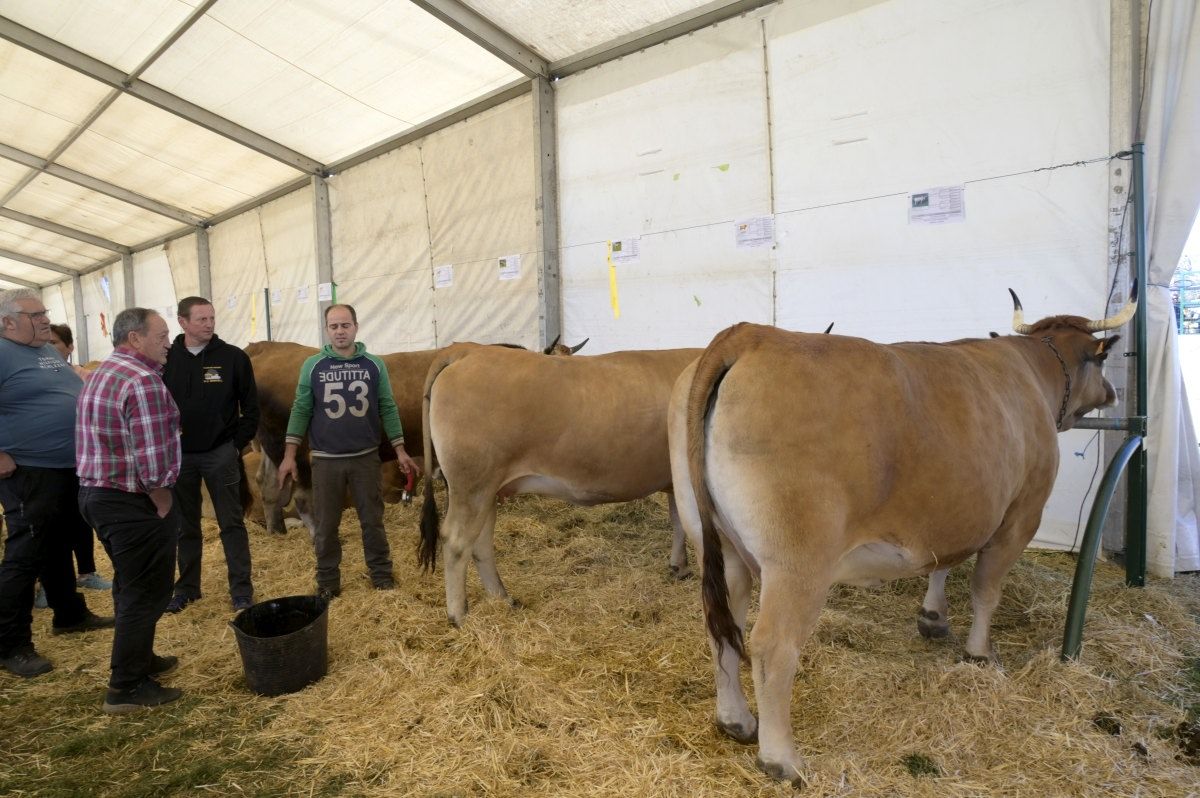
x=239, y=271
x=154, y=153
x=24, y=271
x=557, y=29
x=153, y=288
x=53, y=299
x=118, y=32
x=102, y=301
x=369, y=70
x=183, y=258
x=289, y=241
x=52, y=198
x=41, y=102
x=480, y=188
x=10, y=174
x=381, y=250
x=45, y=245
x=633, y=162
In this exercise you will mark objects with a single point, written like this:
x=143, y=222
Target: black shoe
x=90, y=622
x=148, y=693
x=177, y=603
x=26, y=663
x=242, y=603
x=161, y=666
x=329, y=593
x=384, y=584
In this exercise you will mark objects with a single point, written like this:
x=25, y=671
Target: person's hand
x=7, y=465
x=406, y=464
x=287, y=469
x=162, y=499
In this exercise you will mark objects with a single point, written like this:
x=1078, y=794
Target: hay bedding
x=601, y=684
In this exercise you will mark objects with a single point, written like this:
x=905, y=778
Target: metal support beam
x=488, y=35
x=41, y=264
x=545, y=182
x=204, y=265
x=649, y=36
x=323, y=229
x=8, y=278
x=81, y=330
x=63, y=230
x=127, y=279
x=98, y=185
x=110, y=76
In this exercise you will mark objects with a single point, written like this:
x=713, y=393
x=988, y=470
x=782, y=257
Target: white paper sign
x=626, y=250
x=443, y=276
x=937, y=205
x=758, y=231
x=302, y=294
x=510, y=267
x=231, y=303
x=325, y=292
x=276, y=296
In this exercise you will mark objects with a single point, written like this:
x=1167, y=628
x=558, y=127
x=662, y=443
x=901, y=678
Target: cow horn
x=830, y=327
x=1123, y=315
x=1019, y=324
x=550, y=349
x=579, y=345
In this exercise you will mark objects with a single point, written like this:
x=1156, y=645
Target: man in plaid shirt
x=128, y=456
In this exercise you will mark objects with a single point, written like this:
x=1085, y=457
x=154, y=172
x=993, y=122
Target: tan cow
x=587, y=430
x=808, y=460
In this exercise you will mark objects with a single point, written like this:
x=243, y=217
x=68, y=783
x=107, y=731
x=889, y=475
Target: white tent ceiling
x=129, y=122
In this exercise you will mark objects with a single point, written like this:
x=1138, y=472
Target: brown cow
x=277, y=370
x=587, y=430
x=907, y=459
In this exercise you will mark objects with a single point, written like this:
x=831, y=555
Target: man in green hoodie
x=344, y=403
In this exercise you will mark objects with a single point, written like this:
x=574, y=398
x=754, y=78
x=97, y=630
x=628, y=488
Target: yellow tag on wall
x=612, y=283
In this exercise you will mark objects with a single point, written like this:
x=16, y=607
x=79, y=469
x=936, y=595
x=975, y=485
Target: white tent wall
x=669, y=147
x=152, y=288
x=288, y=238
x=381, y=250
x=865, y=107
x=54, y=298
x=103, y=299
x=184, y=260
x=479, y=185
x=239, y=272
x=1171, y=126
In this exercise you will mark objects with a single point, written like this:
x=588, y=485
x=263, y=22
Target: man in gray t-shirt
x=38, y=486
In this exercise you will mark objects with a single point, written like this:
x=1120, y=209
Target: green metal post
x=1137, y=499
x=1085, y=567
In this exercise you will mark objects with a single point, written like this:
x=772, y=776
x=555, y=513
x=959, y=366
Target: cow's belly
x=872, y=564
x=542, y=485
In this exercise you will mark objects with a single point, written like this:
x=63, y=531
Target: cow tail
x=716, y=361
x=427, y=547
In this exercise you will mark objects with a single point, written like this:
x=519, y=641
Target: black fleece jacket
x=215, y=392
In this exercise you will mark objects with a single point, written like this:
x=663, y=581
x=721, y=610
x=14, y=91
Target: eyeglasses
x=34, y=315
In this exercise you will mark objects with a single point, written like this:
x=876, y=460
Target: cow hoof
x=739, y=732
x=780, y=772
x=932, y=625
x=681, y=572
x=991, y=659
x=515, y=604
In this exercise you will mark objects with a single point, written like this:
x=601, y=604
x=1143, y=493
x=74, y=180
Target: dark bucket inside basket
x=283, y=643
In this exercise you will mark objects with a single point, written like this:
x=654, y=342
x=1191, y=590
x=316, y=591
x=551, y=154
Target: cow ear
x=1105, y=344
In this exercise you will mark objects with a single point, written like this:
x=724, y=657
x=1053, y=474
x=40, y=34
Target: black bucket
x=284, y=643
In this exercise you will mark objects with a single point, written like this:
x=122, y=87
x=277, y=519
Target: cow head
x=555, y=348
x=1077, y=361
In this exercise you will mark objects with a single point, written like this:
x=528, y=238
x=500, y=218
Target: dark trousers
x=221, y=471
x=331, y=478
x=40, y=516
x=82, y=545
x=142, y=549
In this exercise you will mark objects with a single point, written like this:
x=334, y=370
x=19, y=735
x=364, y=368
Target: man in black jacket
x=213, y=384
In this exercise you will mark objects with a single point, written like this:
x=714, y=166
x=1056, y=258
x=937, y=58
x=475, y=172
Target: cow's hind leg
x=484, y=555
x=992, y=564
x=793, y=593
x=734, y=717
x=461, y=529
x=933, y=619
x=679, y=559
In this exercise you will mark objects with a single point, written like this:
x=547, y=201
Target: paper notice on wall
x=626, y=250
x=302, y=294
x=276, y=296
x=940, y=205
x=758, y=231
x=510, y=267
x=325, y=292
x=231, y=303
x=443, y=276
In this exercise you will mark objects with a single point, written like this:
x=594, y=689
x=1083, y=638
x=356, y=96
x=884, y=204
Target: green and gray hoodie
x=344, y=404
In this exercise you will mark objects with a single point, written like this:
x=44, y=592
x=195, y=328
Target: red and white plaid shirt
x=127, y=426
